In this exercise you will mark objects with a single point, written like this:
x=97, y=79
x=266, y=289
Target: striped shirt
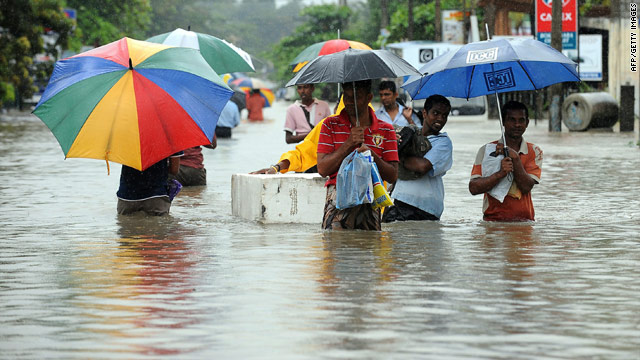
x=380, y=137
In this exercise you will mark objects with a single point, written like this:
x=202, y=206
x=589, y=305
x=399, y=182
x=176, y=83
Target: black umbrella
x=353, y=65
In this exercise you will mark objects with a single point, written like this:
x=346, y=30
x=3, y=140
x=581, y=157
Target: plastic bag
x=381, y=197
x=353, y=181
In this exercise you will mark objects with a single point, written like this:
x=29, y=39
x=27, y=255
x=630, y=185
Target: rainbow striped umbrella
x=132, y=102
x=325, y=48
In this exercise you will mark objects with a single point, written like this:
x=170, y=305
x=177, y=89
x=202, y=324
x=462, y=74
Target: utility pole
x=557, y=90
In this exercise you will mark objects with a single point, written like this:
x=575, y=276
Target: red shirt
x=192, y=158
x=254, y=105
x=380, y=137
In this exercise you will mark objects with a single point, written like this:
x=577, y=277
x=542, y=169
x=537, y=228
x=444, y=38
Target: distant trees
x=22, y=24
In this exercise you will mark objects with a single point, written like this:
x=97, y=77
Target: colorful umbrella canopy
x=132, y=102
x=267, y=94
x=249, y=82
x=325, y=48
x=221, y=55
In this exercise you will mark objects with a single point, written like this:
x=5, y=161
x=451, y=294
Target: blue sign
x=568, y=39
x=70, y=13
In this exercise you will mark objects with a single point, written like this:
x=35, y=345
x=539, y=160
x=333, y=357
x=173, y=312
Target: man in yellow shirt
x=304, y=156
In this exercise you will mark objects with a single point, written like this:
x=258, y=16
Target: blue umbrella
x=493, y=66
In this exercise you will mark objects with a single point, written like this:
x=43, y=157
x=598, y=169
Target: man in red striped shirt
x=339, y=136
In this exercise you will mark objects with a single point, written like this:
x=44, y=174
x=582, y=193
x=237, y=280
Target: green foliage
x=104, y=21
x=22, y=26
x=253, y=25
x=321, y=23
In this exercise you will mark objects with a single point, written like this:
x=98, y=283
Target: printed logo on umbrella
x=482, y=56
x=499, y=79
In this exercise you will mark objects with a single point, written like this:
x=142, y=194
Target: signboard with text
x=569, y=22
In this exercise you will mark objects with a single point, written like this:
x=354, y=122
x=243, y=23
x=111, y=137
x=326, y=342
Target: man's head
x=436, y=113
x=388, y=93
x=305, y=91
x=360, y=99
x=515, y=118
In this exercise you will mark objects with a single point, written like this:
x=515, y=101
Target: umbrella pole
x=355, y=103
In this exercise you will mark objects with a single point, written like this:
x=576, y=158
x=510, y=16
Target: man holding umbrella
x=356, y=127
x=524, y=163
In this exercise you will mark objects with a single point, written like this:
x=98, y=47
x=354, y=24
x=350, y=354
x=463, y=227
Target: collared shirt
x=296, y=121
x=380, y=137
x=511, y=209
x=399, y=120
x=427, y=192
x=230, y=115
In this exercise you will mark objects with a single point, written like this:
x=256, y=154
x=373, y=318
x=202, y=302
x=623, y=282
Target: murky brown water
x=77, y=281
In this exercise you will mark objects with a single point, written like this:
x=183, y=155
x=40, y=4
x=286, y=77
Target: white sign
x=453, y=26
x=590, y=65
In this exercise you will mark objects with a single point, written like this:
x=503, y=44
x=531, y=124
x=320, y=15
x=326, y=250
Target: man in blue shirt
x=391, y=110
x=229, y=118
x=423, y=198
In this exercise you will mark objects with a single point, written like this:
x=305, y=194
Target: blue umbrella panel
x=494, y=66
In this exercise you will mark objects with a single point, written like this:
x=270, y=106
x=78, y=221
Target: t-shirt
x=296, y=121
x=141, y=185
x=427, y=192
x=512, y=208
x=380, y=137
x=193, y=158
x=255, y=103
x=229, y=117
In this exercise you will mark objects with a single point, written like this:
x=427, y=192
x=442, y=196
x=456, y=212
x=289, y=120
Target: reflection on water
x=78, y=281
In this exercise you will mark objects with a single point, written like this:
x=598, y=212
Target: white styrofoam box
x=281, y=198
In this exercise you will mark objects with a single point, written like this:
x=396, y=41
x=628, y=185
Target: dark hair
x=387, y=85
x=362, y=84
x=436, y=99
x=514, y=105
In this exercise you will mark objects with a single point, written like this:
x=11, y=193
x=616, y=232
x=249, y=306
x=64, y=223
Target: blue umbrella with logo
x=492, y=67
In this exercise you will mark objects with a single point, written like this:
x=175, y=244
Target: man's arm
x=330, y=163
x=407, y=112
x=523, y=180
x=293, y=139
x=214, y=143
x=174, y=165
x=419, y=165
x=482, y=185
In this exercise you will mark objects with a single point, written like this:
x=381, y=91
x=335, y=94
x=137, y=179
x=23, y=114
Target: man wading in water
x=339, y=136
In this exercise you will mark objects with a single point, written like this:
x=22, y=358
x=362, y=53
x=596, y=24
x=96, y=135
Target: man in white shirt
x=391, y=110
x=304, y=114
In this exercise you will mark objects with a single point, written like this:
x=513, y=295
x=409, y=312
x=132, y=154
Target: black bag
x=411, y=142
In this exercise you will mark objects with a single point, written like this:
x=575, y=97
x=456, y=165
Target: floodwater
x=77, y=281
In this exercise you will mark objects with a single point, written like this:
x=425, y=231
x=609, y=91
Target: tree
x=322, y=23
x=22, y=26
x=103, y=21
